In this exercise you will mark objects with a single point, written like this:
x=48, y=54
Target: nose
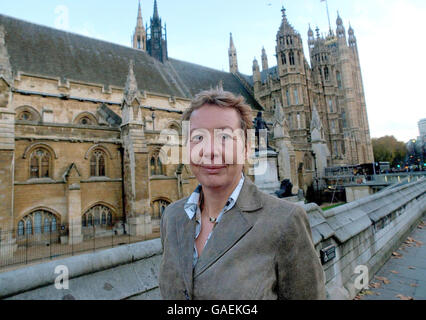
x=211, y=152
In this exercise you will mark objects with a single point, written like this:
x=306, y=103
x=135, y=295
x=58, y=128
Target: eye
x=197, y=138
x=225, y=137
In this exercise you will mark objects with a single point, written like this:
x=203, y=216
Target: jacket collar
x=250, y=198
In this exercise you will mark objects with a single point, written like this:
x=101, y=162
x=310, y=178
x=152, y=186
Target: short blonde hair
x=223, y=99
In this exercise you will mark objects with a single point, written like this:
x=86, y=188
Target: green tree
x=388, y=149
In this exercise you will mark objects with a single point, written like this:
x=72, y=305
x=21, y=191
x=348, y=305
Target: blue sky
x=389, y=32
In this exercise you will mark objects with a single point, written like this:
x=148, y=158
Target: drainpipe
x=123, y=202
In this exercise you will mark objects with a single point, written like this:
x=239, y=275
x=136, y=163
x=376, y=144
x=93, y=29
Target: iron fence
x=28, y=246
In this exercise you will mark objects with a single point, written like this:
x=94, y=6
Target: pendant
x=213, y=220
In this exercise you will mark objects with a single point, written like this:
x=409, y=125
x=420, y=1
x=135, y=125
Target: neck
x=216, y=198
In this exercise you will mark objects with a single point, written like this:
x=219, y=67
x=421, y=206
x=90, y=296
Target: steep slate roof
x=46, y=51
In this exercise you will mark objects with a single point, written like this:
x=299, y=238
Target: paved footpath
x=403, y=277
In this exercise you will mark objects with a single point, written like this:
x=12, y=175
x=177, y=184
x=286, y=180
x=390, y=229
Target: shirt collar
x=191, y=205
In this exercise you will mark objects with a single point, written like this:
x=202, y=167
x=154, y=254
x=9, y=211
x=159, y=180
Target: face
x=217, y=151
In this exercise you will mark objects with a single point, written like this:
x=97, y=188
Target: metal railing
x=384, y=179
x=21, y=247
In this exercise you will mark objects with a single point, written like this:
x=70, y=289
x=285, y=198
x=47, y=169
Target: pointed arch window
x=21, y=228
x=330, y=105
x=296, y=96
x=98, y=164
x=159, y=208
x=40, y=164
x=307, y=162
x=291, y=57
x=287, y=93
x=156, y=165
x=283, y=58
x=98, y=215
x=339, y=79
x=326, y=73
x=36, y=223
x=344, y=119
x=335, y=148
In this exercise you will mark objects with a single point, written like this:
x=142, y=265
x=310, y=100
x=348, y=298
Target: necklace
x=211, y=219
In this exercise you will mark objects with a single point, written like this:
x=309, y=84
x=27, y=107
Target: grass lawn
x=333, y=206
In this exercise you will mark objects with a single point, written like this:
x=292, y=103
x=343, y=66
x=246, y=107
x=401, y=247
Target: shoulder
x=284, y=214
x=175, y=210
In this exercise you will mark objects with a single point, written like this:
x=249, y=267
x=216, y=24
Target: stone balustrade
x=361, y=233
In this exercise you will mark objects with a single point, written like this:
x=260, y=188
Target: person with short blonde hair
x=229, y=240
x=223, y=99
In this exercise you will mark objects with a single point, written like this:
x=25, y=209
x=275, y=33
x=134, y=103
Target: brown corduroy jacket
x=261, y=250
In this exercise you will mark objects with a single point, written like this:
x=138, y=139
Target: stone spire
x=139, y=36
x=264, y=60
x=256, y=70
x=340, y=31
x=286, y=27
x=5, y=67
x=140, y=21
x=156, y=15
x=352, y=38
x=233, y=61
x=311, y=38
x=157, y=41
x=131, y=88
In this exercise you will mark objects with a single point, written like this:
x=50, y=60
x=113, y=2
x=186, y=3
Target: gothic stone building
x=329, y=88
x=80, y=121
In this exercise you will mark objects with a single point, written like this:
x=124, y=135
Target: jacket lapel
x=186, y=240
x=233, y=226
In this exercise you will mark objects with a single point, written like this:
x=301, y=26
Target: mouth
x=212, y=169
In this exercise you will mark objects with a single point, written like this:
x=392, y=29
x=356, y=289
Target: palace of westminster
x=80, y=121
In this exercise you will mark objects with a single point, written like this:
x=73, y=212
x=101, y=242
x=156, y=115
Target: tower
x=139, y=36
x=264, y=60
x=365, y=148
x=256, y=75
x=157, y=41
x=232, y=52
x=293, y=82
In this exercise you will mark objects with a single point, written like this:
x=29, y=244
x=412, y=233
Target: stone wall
x=364, y=232
x=126, y=272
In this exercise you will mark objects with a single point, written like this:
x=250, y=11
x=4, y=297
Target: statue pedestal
x=266, y=172
x=74, y=233
x=140, y=226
